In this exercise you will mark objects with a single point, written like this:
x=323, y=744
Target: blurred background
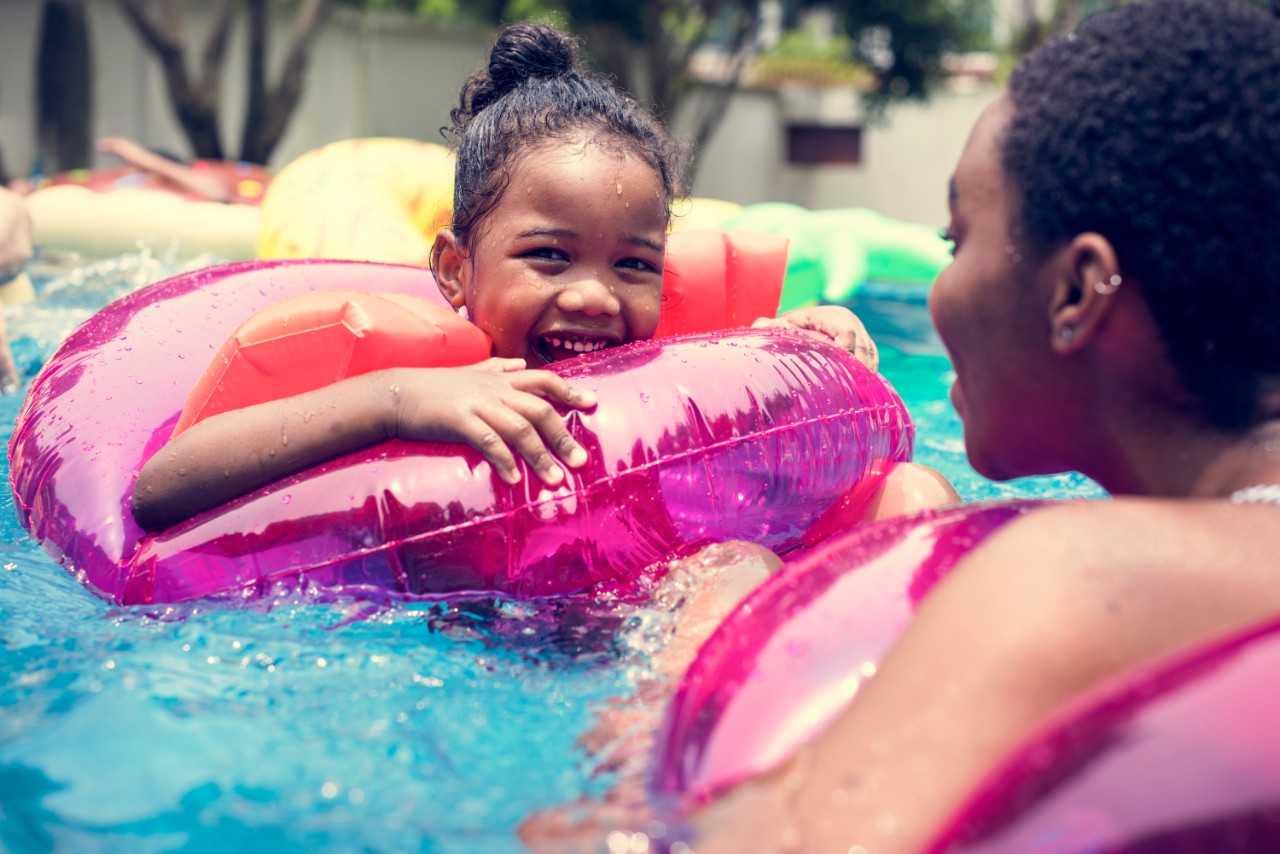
x=853, y=103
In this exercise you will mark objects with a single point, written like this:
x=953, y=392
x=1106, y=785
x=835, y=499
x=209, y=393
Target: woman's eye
x=949, y=237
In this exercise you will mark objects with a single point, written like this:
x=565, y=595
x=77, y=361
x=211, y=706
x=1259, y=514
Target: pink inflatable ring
x=701, y=438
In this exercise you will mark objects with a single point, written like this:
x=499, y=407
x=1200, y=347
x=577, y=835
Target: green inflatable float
x=834, y=252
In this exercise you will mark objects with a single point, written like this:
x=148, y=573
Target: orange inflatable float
x=315, y=339
x=712, y=280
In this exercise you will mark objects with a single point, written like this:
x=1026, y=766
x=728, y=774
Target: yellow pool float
x=378, y=199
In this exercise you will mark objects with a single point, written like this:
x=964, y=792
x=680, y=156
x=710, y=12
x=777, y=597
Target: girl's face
x=991, y=311
x=569, y=260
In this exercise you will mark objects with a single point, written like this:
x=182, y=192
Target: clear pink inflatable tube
x=743, y=434
x=1183, y=756
x=790, y=657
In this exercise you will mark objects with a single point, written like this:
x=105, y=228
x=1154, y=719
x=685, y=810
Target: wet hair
x=533, y=92
x=1157, y=125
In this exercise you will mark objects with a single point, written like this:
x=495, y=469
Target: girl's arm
x=495, y=407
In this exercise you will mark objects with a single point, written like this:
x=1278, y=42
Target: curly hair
x=1157, y=125
x=533, y=91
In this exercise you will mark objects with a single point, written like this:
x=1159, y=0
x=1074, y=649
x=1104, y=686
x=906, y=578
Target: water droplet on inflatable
x=285, y=499
x=644, y=397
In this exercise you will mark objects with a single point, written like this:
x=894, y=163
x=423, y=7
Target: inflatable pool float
x=1183, y=755
x=360, y=200
x=1180, y=755
x=700, y=438
x=698, y=212
x=789, y=658
x=113, y=211
x=246, y=182
x=835, y=252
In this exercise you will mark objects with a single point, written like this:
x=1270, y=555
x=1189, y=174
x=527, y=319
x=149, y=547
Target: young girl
x=561, y=207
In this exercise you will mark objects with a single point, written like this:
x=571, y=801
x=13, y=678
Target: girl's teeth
x=577, y=346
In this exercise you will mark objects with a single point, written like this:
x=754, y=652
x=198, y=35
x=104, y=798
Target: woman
x=1113, y=307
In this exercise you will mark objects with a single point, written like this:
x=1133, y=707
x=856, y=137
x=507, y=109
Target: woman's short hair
x=1157, y=125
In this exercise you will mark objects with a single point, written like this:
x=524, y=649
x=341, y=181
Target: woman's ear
x=1087, y=284
x=449, y=266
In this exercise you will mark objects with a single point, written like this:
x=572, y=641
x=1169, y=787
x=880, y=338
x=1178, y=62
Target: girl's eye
x=546, y=253
x=639, y=264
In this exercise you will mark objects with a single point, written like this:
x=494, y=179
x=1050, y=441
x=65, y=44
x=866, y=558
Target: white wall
x=369, y=75
x=391, y=75
x=907, y=158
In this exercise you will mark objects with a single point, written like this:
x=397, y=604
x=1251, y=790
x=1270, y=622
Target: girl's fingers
x=551, y=430
x=554, y=387
x=498, y=365
x=520, y=434
x=484, y=438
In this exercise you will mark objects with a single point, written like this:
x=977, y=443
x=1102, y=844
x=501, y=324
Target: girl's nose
x=588, y=295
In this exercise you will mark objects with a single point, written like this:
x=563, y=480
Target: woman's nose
x=589, y=295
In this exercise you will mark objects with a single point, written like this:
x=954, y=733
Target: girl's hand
x=833, y=323
x=499, y=409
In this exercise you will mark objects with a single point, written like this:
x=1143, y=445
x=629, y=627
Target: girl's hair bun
x=522, y=52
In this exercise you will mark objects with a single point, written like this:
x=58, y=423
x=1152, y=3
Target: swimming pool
x=302, y=726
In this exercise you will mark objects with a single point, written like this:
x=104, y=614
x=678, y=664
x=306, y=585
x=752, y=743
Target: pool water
x=298, y=726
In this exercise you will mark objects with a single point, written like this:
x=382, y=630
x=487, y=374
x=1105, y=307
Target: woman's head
x=1157, y=126
x=562, y=199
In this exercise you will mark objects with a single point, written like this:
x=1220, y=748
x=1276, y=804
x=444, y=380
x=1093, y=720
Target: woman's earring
x=462, y=312
x=1067, y=333
x=1110, y=286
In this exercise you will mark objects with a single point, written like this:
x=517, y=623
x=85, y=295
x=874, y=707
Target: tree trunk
x=269, y=109
x=64, y=89
x=197, y=103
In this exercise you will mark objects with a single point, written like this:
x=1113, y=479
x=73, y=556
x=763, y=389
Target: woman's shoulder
x=1135, y=575
x=1140, y=534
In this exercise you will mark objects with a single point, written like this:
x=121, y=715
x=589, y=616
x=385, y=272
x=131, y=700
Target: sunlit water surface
x=293, y=725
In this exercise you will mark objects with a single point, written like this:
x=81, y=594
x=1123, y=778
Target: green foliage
x=483, y=11
x=903, y=41
x=802, y=58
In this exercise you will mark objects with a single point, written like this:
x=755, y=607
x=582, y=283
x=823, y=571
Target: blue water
x=291, y=725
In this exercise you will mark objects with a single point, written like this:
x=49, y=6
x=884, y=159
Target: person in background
x=170, y=170
x=15, y=251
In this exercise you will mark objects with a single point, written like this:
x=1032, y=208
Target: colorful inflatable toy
x=113, y=211
x=788, y=659
x=247, y=182
x=748, y=434
x=836, y=252
x=360, y=200
x=1180, y=756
